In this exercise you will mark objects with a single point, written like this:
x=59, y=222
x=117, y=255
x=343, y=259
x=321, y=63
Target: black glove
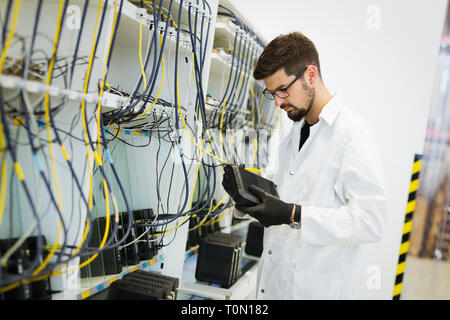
x=270, y=211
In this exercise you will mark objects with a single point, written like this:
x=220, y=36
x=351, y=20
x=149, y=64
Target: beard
x=296, y=114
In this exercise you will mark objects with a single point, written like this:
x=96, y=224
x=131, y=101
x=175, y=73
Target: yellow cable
x=161, y=84
x=220, y=217
x=17, y=165
x=4, y=171
x=2, y=139
x=96, y=157
x=190, y=205
x=252, y=114
x=252, y=111
x=206, y=216
x=10, y=287
x=209, y=145
x=47, y=102
x=222, y=115
x=3, y=179
x=99, y=162
x=140, y=55
x=83, y=108
x=185, y=216
x=221, y=124
x=260, y=108
x=97, y=154
x=184, y=123
x=195, y=179
x=255, y=170
x=10, y=35
x=165, y=16
x=49, y=138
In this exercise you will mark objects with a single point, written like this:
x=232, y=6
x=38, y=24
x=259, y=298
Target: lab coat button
x=291, y=173
x=262, y=290
x=269, y=252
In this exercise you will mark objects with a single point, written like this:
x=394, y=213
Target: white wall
x=381, y=56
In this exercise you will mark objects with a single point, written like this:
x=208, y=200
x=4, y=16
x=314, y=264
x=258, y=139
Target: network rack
x=109, y=108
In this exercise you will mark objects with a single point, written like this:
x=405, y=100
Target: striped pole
x=410, y=207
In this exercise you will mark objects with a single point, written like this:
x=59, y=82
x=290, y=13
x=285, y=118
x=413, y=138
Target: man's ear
x=312, y=75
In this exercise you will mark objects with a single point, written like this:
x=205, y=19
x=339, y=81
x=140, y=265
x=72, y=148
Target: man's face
x=301, y=95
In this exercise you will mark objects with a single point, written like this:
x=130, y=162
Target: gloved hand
x=270, y=211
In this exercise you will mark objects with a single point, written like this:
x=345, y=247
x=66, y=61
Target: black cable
x=236, y=78
x=198, y=74
x=77, y=46
x=5, y=24
x=34, y=149
x=149, y=88
x=102, y=134
x=11, y=150
x=229, y=77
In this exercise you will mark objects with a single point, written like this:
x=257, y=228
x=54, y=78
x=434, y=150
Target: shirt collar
x=331, y=110
x=328, y=114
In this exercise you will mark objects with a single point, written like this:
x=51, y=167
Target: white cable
x=17, y=244
x=135, y=240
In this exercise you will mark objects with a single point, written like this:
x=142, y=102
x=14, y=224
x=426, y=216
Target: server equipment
x=130, y=82
x=147, y=249
x=243, y=179
x=129, y=252
x=144, y=285
x=197, y=232
x=21, y=260
x=219, y=258
x=108, y=261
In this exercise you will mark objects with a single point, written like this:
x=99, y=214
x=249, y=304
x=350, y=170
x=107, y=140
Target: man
x=329, y=178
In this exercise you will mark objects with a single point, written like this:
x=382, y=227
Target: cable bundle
x=65, y=185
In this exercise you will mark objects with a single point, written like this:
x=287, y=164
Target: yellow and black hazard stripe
x=410, y=207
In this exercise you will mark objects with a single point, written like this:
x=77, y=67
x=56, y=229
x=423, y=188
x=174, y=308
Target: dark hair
x=293, y=52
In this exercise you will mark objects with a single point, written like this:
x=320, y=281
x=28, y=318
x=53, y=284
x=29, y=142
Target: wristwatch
x=296, y=222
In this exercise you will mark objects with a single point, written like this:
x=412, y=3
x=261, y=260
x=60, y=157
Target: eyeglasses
x=281, y=93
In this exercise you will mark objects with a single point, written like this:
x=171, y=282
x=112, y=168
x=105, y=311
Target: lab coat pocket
x=322, y=286
x=298, y=187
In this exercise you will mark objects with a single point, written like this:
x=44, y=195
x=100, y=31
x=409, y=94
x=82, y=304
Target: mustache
x=286, y=106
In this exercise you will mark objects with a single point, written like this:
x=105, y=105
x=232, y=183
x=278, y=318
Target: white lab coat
x=337, y=178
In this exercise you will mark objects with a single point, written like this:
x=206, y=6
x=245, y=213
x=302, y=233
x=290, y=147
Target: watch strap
x=298, y=213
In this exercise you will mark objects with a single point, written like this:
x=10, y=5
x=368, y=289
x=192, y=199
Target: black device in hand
x=237, y=182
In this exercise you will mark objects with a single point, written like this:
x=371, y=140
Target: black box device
x=243, y=179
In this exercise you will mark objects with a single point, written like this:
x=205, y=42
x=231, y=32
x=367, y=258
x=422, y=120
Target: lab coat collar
x=328, y=114
x=332, y=109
